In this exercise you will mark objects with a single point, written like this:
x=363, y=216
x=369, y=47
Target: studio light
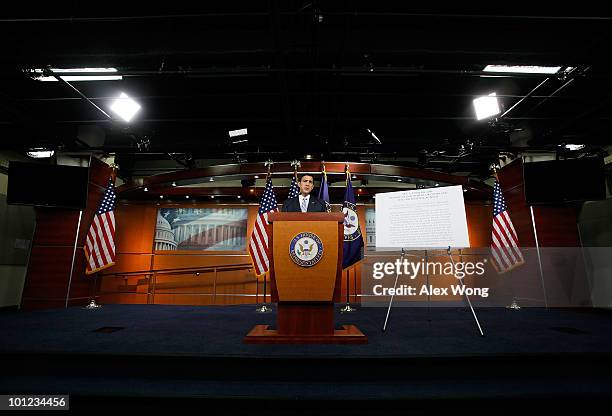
x=93, y=74
x=486, y=106
x=125, y=107
x=522, y=69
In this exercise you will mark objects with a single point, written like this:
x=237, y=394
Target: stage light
x=522, y=69
x=39, y=74
x=486, y=106
x=40, y=153
x=125, y=107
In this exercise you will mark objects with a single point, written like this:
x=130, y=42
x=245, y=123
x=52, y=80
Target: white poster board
x=421, y=219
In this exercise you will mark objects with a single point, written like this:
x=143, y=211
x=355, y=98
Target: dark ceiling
x=307, y=77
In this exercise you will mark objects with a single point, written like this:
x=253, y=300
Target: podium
x=305, y=275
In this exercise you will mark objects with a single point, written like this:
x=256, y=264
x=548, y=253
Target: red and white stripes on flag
x=100, y=241
x=505, y=250
x=258, y=245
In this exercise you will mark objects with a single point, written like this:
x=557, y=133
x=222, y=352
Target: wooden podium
x=305, y=294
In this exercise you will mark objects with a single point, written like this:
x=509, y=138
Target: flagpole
x=264, y=308
x=347, y=308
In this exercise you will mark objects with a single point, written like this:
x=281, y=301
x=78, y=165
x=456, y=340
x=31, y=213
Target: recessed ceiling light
x=522, y=69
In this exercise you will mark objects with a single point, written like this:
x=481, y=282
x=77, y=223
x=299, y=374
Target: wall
x=595, y=223
x=235, y=282
x=16, y=229
x=48, y=282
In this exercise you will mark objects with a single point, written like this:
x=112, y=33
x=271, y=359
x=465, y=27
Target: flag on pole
x=294, y=189
x=353, y=240
x=258, y=245
x=504, y=247
x=324, y=190
x=100, y=242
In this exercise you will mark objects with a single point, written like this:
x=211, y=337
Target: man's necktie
x=304, y=206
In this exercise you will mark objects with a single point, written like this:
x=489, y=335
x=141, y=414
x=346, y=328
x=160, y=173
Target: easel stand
x=402, y=255
x=448, y=251
x=264, y=308
x=467, y=298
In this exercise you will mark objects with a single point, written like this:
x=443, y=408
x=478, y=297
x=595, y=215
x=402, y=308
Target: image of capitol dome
x=164, y=236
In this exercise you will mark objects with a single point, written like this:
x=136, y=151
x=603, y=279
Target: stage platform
x=151, y=352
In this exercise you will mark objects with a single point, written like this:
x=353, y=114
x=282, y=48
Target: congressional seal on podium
x=306, y=249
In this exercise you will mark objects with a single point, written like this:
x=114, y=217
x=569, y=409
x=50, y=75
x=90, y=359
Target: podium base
x=349, y=334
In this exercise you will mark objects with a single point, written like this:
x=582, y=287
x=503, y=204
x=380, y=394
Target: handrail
x=180, y=270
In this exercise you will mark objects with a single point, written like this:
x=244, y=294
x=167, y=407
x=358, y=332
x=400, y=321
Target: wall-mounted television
x=45, y=185
x=561, y=181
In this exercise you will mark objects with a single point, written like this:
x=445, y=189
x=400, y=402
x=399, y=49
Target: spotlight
x=486, y=106
x=125, y=107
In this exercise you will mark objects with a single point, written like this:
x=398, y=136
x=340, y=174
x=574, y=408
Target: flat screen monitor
x=561, y=181
x=44, y=185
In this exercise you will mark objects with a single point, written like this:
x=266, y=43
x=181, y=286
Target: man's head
x=306, y=184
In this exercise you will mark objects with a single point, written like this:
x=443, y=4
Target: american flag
x=504, y=248
x=100, y=242
x=294, y=190
x=258, y=246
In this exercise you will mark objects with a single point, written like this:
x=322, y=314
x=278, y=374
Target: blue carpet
x=218, y=331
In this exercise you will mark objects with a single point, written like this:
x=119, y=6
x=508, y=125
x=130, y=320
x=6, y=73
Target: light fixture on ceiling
x=93, y=74
x=522, y=69
x=374, y=136
x=238, y=136
x=186, y=196
x=40, y=153
x=486, y=106
x=146, y=189
x=574, y=147
x=125, y=107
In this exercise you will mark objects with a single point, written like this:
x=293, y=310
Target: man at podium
x=305, y=202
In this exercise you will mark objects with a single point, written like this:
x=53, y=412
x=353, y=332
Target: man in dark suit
x=305, y=202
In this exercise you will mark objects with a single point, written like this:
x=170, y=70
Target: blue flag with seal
x=353, y=240
x=324, y=190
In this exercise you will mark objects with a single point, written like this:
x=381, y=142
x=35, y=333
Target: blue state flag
x=324, y=191
x=353, y=240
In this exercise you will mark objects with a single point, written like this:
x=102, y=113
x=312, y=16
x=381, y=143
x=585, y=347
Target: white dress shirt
x=302, y=204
